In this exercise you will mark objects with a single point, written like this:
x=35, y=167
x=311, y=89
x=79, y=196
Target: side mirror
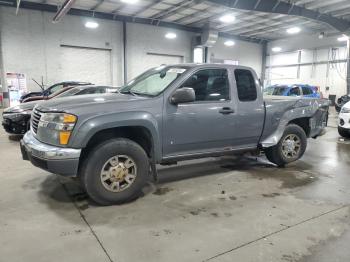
x=183, y=95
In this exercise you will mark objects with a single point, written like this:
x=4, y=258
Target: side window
x=295, y=91
x=88, y=91
x=209, y=85
x=246, y=87
x=56, y=88
x=306, y=91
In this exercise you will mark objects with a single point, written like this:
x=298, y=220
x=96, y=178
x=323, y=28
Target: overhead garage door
x=86, y=64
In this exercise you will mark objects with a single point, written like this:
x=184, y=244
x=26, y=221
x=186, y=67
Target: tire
x=98, y=166
x=275, y=153
x=344, y=132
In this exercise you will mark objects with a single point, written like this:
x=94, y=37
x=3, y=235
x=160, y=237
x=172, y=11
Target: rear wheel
x=344, y=132
x=290, y=148
x=115, y=171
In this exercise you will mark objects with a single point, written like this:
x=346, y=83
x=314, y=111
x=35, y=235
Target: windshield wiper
x=127, y=92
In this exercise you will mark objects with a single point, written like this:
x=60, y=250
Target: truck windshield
x=153, y=81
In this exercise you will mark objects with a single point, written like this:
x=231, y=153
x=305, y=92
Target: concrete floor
x=208, y=210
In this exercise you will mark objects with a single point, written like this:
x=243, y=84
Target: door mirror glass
x=183, y=95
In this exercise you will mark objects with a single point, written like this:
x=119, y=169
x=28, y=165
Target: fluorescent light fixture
x=293, y=30
x=276, y=49
x=170, y=35
x=91, y=24
x=227, y=18
x=229, y=43
x=343, y=38
x=129, y=1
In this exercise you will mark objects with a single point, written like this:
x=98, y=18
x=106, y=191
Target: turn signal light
x=69, y=118
x=64, y=137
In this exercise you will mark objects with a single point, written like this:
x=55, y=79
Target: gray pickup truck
x=113, y=142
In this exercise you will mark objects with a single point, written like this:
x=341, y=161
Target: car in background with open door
x=53, y=89
x=16, y=119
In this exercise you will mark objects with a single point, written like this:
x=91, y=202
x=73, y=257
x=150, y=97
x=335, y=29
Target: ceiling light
x=293, y=30
x=343, y=38
x=229, y=43
x=276, y=49
x=170, y=35
x=129, y=1
x=227, y=18
x=91, y=24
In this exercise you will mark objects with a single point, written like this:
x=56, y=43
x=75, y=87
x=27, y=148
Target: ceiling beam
x=97, y=5
x=63, y=10
x=280, y=7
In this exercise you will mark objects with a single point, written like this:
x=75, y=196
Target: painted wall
x=31, y=44
x=309, y=49
x=246, y=53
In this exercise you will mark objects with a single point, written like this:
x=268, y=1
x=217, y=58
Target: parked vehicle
x=293, y=90
x=168, y=114
x=341, y=102
x=39, y=98
x=16, y=120
x=344, y=121
x=53, y=89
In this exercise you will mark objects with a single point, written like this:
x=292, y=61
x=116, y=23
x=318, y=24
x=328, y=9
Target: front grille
x=36, y=115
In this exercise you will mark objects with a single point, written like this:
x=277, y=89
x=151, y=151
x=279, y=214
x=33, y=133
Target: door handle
x=226, y=110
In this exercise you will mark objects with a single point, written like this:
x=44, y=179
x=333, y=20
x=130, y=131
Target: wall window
x=198, y=55
x=209, y=85
x=246, y=87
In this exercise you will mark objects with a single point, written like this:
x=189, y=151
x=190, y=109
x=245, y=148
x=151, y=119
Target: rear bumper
x=57, y=160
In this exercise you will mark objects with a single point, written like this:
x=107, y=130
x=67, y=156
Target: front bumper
x=344, y=120
x=57, y=160
x=18, y=126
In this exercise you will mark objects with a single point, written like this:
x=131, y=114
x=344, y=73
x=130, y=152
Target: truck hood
x=90, y=103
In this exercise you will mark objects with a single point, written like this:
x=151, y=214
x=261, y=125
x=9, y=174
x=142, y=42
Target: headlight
x=61, y=124
x=345, y=110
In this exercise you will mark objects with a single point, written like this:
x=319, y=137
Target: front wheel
x=115, y=171
x=290, y=148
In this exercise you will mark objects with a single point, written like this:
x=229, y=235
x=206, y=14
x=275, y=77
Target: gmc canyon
x=113, y=142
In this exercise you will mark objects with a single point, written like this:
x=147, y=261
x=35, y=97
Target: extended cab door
x=216, y=121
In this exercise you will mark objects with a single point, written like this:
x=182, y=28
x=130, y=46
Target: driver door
x=205, y=125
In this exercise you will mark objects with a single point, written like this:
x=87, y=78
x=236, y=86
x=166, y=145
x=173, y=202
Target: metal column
x=125, y=64
x=4, y=90
x=348, y=68
x=263, y=62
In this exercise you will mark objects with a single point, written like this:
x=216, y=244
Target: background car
x=53, y=89
x=16, y=119
x=344, y=121
x=38, y=98
x=293, y=90
x=341, y=102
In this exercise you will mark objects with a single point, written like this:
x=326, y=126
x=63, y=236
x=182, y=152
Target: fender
x=90, y=126
x=308, y=108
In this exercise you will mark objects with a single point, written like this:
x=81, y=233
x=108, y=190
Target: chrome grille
x=36, y=115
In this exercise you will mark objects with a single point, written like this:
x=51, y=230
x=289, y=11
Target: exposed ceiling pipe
x=67, y=5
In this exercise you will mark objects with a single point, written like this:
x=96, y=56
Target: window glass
x=69, y=92
x=246, y=87
x=209, y=85
x=306, y=90
x=56, y=88
x=295, y=91
x=154, y=81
